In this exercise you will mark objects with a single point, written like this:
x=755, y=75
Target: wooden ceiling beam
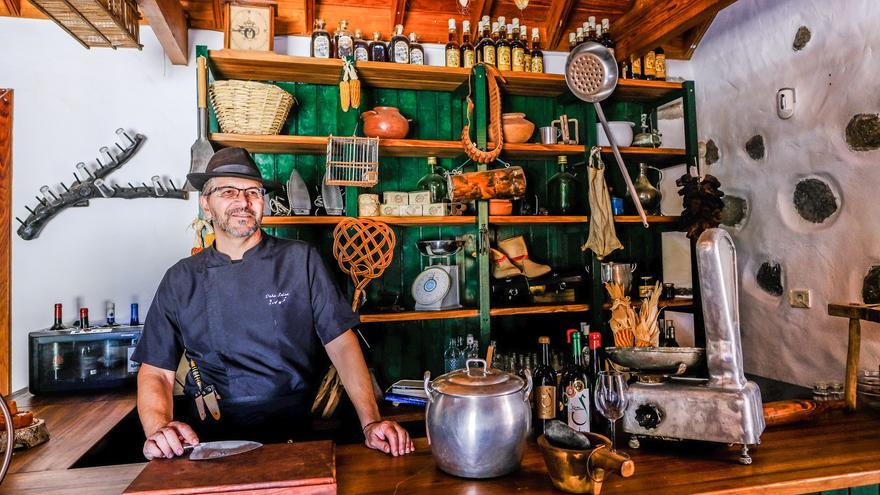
x=309, y=8
x=10, y=8
x=557, y=17
x=653, y=22
x=398, y=10
x=217, y=14
x=168, y=21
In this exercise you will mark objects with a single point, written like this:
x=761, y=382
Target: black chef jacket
x=254, y=327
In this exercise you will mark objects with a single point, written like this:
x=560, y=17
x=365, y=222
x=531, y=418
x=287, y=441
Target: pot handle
x=467, y=365
x=428, y=390
x=368, y=113
x=528, y=390
x=659, y=172
x=633, y=270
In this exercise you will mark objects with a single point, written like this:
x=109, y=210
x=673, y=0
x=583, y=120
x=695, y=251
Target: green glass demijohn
x=434, y=182
x=562, y=190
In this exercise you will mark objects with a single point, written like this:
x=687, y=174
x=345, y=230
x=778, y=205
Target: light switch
x=785, y=101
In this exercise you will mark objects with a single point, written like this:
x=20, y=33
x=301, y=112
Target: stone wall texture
x=747, y=55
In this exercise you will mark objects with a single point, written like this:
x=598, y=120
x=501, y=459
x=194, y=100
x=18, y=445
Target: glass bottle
x=545, y=386
x=398, y=48
x=579, y=36
x=590, y=33
x=344, y=41
x=451, y=356
x=572, y=41
x=135, y=319
x=320, y=45
x=88, y=361
x=537, y=54
x=635, y=67
x=378, y=50
x=416, y=52
x=659, y=64
x=58, y=325
x=670, y=334
x=83, y=318
x=434, y=182
x=486, y=47
x=561, y=189
x=527, y=51
x=574, y=387
x=453, y=50
x=361, y=47
x=472, y=348
x=606, y=39
x=649, y=196
x=111, y=314
x=517, y=49
x=503, y=47
x=648, y=65
x=468, y=56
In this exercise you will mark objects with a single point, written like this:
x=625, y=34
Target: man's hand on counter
x=389, y=437
x=166, y=441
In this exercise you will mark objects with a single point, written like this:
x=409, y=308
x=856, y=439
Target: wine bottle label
x=636, y=64
x=503, y=58
x=361, y=54
x=527, y=62
x=132, y=366
x=648, y=68
x=453, y=58
x=401, y=52
x=468, y=59
x=660, y=66
x=489, y=54
x=417, y=57
x=578, y=406
x=344, y=46
x=321, y=47
x=537, y=64
x=517, y=59
x=546, y=403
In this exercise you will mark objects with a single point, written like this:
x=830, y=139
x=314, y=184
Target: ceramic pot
x=621, y=131
x=515, y=127
x=500, y=207
x=385, y=123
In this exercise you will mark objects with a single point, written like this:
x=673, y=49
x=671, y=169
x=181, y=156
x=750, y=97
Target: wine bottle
x=670, y=334
x=517, y=48
x=83, y=318
x=486, y=47
x=320, y=46
x=606, y=39
x=572, y=41
x=344, y=41
x=58, y=325
x=468, y=55
x=135, y=319
x=378, y=50
x=597, y=362
x=580, y=36
x=590, y=33
x=659, y=64
x=361, y=47
x=575, y=387
x=416, y=52
x=111, y=314
x=545, y=386
x=635, y=67
x=527, y=51
x=453, y=50
x=502, y=48
x=648, y=65
x=398, y=48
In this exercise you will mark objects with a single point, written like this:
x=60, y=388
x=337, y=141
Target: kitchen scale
x=726, y=408
x=436, y=288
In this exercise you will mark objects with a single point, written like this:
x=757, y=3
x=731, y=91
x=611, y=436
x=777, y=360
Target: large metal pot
x=477, y=420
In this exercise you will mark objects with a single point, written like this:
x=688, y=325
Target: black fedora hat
x=231, y=162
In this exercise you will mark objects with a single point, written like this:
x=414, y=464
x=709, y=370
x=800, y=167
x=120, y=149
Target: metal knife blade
x=200, y=405
x=216, y=450
x=211, y=397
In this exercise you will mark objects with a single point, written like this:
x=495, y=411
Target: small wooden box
x=395, y=198
x=389, y=210
x=435, y=209
x=420, y=198
x=411, y=210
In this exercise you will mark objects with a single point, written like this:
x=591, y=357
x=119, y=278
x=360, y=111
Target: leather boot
x=515, y=249
x=501, y=265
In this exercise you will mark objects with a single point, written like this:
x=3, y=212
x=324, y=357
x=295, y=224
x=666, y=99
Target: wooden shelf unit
x=419, y=315
x=263, y=66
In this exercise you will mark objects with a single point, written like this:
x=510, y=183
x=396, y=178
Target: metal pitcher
x=619, y=273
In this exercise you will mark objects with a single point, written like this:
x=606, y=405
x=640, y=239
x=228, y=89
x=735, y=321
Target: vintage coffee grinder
x=724, y=408
x=436, y=288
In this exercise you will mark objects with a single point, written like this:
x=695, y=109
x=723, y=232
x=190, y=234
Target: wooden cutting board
x=294, y=468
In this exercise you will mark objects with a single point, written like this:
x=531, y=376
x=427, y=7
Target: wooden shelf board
x=531, y=219
x=318, y=145
x=403, y=221
x=419, y=315
x=267, y=66
x=638, y=152
x=539, y=309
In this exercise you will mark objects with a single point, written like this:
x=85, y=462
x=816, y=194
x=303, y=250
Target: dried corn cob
x=355, y=85
x=344, y=95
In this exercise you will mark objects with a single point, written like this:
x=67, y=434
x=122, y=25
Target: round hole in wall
x=712, y=152
x=755, y=147
x=863, y=132
x=735, y=212
x=801, y=38
x=810, y=203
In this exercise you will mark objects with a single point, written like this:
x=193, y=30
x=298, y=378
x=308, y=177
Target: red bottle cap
x=568, y=334
x=83, y=312
x=595, y=340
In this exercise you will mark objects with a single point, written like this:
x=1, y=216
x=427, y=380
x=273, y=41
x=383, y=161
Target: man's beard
x=239, y=227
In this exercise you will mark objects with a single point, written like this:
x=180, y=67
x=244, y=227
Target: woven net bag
x=250, y=107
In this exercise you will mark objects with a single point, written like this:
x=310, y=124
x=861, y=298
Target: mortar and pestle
x=578, y=462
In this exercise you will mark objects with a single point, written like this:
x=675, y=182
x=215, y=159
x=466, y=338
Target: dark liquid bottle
x=537, y=54
x=545, y=387
x=416, y=52
x=135, y=319
x=58, y=325
x=606, y=39
x=453, y=51
x=468, y=55
x=670, y=335
x=378, y=50
x=660, y=64
x=527, y=52
x=83, y=318
x=575, y=387
x=361, y=47
x=635, y=67
x=517, y=49
x=597, y=360
x=590, y=30
x=320, y=46
x=572, y=41
x=648, y=65
x=485, y=47
x=398, y=48
x=344, y=41
x=111, y=314
x=503, y=48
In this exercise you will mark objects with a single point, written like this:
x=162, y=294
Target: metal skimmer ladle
x=591, y=75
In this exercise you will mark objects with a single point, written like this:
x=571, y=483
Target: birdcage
x=352, y=161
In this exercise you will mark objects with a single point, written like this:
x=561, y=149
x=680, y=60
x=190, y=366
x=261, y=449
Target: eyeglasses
x=232, y=192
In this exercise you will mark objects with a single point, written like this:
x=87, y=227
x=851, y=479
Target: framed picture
x=249, y=26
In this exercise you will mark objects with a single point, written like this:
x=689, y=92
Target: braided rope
x=363, y=248
x=470, y=148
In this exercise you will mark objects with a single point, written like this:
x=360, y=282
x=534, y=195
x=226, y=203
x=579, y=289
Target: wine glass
x=611, y=399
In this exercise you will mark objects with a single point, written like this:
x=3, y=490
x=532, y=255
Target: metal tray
x=657, y=359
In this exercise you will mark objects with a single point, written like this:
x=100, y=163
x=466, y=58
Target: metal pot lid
x=478, y=382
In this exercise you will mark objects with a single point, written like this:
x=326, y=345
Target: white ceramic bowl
x=621, y=130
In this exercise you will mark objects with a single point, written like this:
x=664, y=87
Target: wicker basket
x=249, y=107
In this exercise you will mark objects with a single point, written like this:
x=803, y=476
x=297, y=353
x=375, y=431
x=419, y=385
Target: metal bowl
x=657, y=359
x=440, y=247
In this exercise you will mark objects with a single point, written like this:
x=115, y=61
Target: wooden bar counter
x=839, y=451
